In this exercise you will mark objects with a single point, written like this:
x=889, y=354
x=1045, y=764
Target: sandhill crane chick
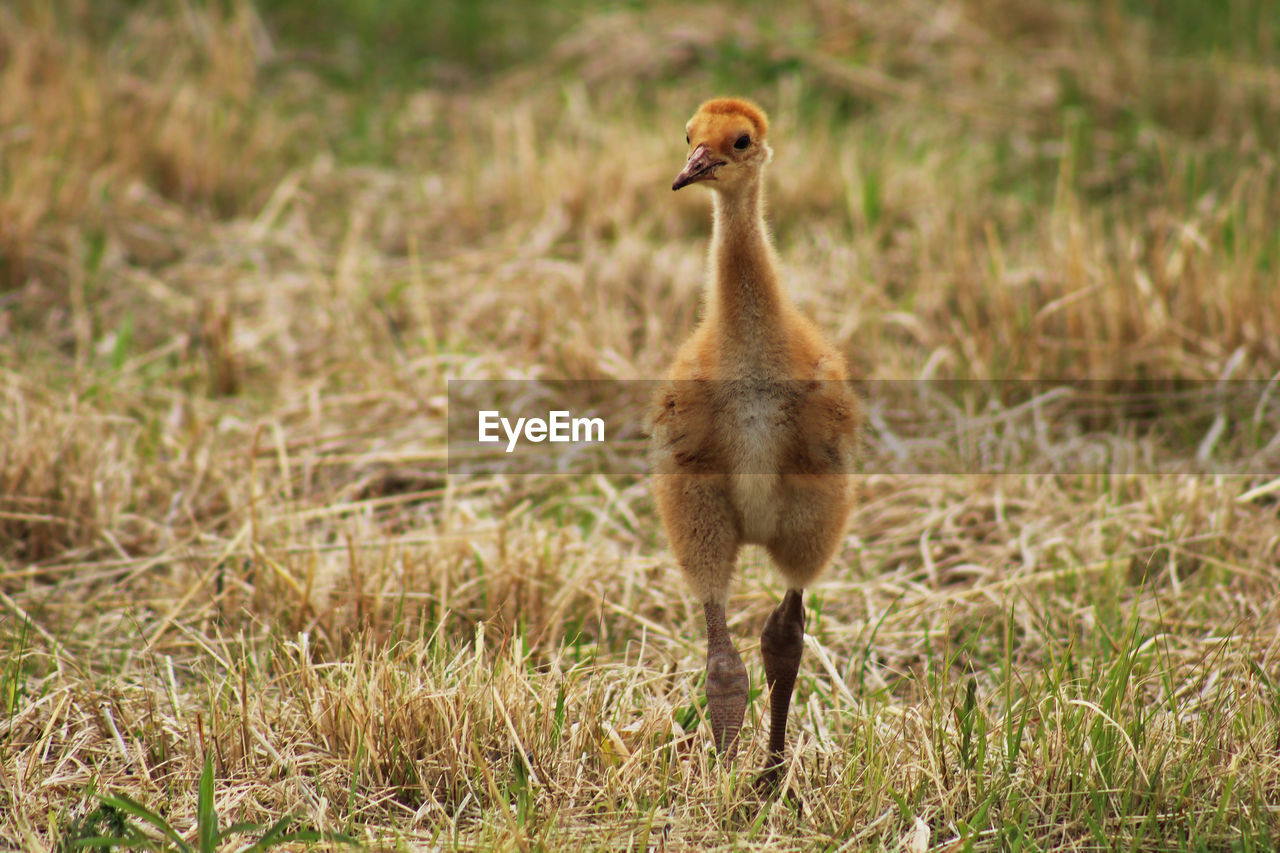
x=754, y=431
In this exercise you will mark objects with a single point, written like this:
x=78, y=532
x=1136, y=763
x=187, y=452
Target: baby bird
x=754, y=431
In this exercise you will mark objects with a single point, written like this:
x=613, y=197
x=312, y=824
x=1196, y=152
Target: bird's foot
x=767, y=782
x=768, y=785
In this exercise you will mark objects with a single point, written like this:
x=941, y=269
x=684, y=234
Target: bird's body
x=755, y=429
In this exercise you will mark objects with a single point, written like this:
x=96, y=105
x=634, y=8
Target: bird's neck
x=746, y=301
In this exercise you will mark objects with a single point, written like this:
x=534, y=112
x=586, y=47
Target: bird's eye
x=686, y=139
x=743, y=141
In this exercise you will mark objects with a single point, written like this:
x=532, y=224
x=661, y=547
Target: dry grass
x=231, y=292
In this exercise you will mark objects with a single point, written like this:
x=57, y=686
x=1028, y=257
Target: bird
x=753, y=432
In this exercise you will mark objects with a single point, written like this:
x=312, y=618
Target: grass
x=243, y=247
x=118, y=812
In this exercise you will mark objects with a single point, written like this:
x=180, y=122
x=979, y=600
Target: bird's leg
x=726, y=681
x=781, y=644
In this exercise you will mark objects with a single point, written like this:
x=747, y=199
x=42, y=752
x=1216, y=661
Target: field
x=243, y=248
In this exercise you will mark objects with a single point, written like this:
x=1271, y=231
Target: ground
x=243, y=247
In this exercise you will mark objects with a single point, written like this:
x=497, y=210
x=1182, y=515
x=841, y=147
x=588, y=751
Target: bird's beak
x=701, y=167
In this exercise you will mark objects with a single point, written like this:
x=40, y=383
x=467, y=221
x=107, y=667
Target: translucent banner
x=908, y=426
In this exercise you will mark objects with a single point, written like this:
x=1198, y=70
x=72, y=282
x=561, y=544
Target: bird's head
x=726, y=144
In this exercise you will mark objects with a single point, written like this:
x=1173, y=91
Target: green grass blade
x=206, y=814
x=136, y=842
x=130, y=806
x=273, y=834
x=239, y=829
x=276, y=835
